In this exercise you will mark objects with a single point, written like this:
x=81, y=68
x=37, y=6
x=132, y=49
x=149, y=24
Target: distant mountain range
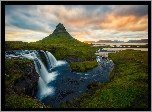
x=138, y=41
x=117, y=41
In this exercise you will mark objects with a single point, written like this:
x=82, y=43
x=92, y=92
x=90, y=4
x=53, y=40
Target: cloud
x=17, y=34
x=26, y=19
x=96, y=35
x=137, y=10
x=81, y=21
x=125, y=23
x=75, y=16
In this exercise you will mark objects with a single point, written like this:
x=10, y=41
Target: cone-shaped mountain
x=60, y=36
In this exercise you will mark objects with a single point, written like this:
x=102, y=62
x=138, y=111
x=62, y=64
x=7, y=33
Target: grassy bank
x=62, y=49
x=127, y=86
x=83, y=66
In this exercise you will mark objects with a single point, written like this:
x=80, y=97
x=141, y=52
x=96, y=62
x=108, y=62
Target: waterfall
x=47, y=59
x=40, y=68
x=47, y=77
x=43, y=71
x=52, y=59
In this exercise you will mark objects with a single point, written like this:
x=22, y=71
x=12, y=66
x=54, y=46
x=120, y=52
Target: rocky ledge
x=28, y=81
x=21, y=76
x=21, y=81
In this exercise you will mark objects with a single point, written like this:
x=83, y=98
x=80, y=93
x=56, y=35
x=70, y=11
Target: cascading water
x=44, y=90
x=52, y=59
x=45, y=76
x=47, y=59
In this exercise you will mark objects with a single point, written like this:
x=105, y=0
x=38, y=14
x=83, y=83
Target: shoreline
x=115, y=49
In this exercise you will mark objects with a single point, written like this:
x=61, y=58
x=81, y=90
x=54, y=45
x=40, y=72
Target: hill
x=62, y=37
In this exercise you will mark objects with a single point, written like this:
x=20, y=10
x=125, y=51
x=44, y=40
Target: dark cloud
x=137, y=10
x=26, y=19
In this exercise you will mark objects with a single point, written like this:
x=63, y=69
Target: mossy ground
x=127, y=86
x=83, y=66
x=14, y=69
x=23, y=101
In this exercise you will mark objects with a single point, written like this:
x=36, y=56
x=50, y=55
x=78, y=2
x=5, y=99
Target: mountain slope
x=61, y=36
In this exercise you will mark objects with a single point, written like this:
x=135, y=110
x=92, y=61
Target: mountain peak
x=60, y=26
x=59, y=29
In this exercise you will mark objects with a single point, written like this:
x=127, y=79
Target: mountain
x=60, y=36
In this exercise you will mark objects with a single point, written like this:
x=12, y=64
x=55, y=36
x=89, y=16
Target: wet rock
x=10, y=52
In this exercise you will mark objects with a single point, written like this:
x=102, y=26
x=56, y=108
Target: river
x=60, y=84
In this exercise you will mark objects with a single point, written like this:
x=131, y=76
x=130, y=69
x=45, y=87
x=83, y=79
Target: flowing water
x=57, y=83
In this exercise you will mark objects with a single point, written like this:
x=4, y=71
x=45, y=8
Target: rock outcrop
x=21, y=76
x=60, y=29
x=28, y=82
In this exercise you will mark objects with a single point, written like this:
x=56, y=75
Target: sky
x=30, y=23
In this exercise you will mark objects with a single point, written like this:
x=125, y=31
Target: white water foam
x=52, y=59
x=59, y=63
x=44, y=90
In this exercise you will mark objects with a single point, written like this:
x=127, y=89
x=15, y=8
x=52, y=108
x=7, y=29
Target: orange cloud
x=125, y=23
x=81, y=35
x=16, y=34
x=120, y=18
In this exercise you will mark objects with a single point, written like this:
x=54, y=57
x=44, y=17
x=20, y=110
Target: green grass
x=23, y=101
x=83, y=66
x=128, y=83
x=15, y=68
